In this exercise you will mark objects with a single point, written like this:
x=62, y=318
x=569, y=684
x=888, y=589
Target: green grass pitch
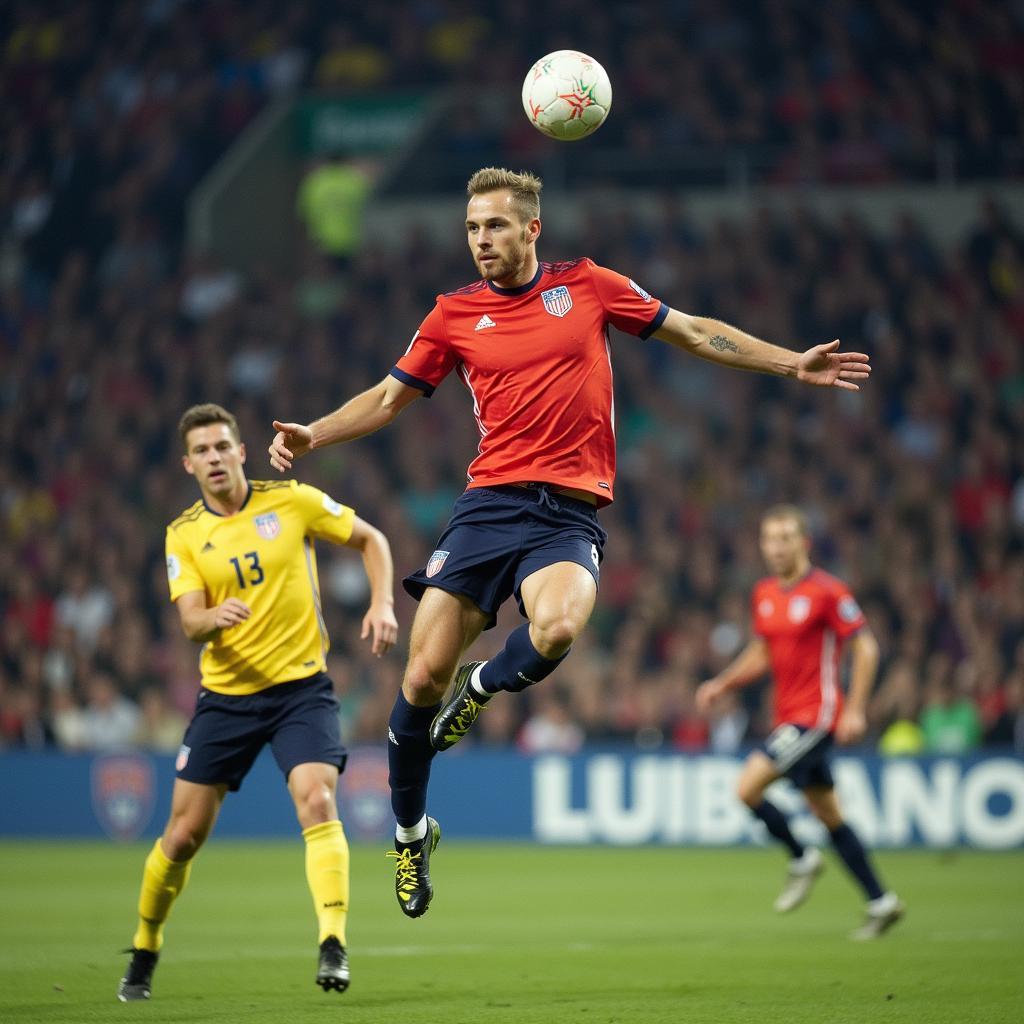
x=517, y=933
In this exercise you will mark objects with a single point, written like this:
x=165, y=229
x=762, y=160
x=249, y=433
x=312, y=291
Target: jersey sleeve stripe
x=659, y=319
x=413, y=382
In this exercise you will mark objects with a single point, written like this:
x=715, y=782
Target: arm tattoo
x=720, y=344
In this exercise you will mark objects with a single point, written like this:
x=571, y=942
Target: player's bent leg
x=194, y=809
x=558, y=600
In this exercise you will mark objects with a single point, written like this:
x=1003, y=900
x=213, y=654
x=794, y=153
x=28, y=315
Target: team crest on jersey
x=799, y=608
x=849, y=610
x=557, y=301
x=268, y=526
x=123, y=794
x=765, y=607
x=646, y=296
x=437, y=560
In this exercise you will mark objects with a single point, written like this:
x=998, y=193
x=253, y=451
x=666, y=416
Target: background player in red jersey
x=802, y=616
x=530, y=342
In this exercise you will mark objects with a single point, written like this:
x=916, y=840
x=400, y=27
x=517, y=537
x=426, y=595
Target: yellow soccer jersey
x=264, y=556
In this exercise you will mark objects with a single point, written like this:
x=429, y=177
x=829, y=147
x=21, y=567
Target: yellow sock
x=327, y=874
x=162, y=882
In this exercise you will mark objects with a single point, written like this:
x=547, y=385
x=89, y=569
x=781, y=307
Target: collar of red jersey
x=522, y=289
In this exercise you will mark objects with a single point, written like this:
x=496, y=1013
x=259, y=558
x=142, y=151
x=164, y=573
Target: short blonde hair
x=524, y=186
x=203, y=416
x=791, y=513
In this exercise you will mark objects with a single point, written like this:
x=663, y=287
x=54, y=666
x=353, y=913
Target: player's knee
x=826, y=813
x=316, y=806
x=749, y=793
x=182, y=839
x=422, y=685
x=553, y=637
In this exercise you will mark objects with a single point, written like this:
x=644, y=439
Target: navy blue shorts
x=298, y=719
x=801, y=754
x=497, y=536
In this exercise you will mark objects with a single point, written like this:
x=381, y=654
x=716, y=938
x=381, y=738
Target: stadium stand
x=109, y=327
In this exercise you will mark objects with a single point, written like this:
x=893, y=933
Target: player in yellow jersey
x=242, y=573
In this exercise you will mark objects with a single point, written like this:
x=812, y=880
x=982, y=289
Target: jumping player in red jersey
x=530, y=342
x=802, y=616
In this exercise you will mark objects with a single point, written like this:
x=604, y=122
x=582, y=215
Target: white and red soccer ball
x=567, y=95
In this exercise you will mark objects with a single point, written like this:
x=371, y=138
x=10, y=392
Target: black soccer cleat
x=332, y=972
x=412, y=871
x=137, y=982
x=459, y=712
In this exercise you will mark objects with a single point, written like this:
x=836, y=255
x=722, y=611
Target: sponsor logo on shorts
x=557, y=301
x=268, y=526
x=436, y=562
x=182, y=759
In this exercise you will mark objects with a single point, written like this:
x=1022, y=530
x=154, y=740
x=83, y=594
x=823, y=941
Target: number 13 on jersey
x=249, y=575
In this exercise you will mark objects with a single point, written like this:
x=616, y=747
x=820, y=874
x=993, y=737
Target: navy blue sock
x=517, y=665
x=409, y=757
x=777, y=826
x=855, y=857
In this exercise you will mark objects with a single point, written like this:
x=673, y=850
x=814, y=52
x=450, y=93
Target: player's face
x=501, y=243
x=215, y=459
x=784, y=548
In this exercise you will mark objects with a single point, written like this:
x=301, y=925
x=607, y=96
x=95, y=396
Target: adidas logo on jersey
x=484, y=321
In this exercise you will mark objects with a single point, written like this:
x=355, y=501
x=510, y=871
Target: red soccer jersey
x=805, y=626
x=537, y=362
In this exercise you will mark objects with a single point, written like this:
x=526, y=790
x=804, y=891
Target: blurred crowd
x=788, y=91
x=109, y=329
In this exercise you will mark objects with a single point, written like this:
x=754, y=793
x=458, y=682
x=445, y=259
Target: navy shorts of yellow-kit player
x=298, y=719
x=497, y=536
x=801, y=753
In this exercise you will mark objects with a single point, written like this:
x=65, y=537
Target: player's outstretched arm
x=367, y=412
x=822, y=365
x=379, y=622
x=852, y=724
x=750, y=664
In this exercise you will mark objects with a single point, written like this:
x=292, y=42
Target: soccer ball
x=567, y=95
